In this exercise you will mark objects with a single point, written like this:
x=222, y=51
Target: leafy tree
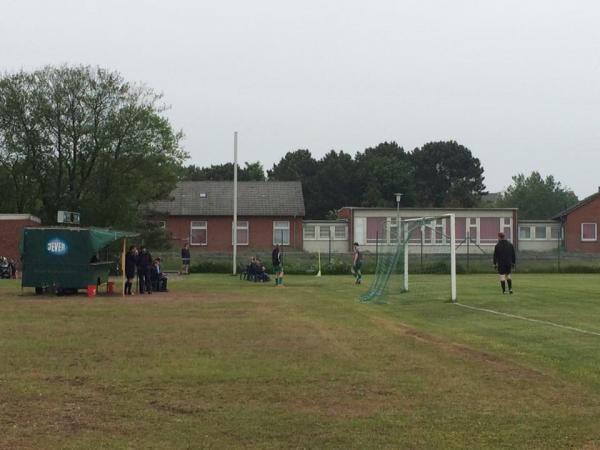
x=537, y=197
x=294, y=166
x=224, y=172
x=447, y=175
x=82, y=138
x=253, y=172
x=381, y=172
x=300, y=165
x=336, y=182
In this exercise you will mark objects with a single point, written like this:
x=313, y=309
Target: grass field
x=221, y=363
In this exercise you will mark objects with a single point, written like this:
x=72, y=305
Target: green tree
x=82, y=138
x=224, y=172
x=300, y=166
x=537, y=197
x=447, y=175
x=381, y=172
x=336, y=182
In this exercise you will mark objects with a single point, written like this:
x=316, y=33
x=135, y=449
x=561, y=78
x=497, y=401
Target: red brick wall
x=219, y=232
x=10, y=236
x=589, y=212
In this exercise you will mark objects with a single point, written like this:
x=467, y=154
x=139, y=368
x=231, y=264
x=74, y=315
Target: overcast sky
x=517, y=82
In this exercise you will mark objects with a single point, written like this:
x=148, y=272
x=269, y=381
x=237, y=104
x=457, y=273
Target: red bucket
x=91, y=290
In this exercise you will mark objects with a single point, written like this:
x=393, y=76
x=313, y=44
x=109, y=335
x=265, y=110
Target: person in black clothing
x=159, y=279
x=504, y=261
x=144, y=268
x=185, y=260
x=130, y=265
x=277, y=260
x=13, y=268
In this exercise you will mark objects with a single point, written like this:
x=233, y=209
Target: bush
x=211, y=267
x=580, y=268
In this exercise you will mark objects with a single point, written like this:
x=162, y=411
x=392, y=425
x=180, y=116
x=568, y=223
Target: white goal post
x=423, y=220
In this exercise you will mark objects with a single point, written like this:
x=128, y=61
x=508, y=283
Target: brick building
x=580, y=225
x=201, y=213
x=11, y=226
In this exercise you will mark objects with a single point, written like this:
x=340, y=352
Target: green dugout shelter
x=66, y=259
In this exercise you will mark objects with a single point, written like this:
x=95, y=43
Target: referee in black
x=504, y=261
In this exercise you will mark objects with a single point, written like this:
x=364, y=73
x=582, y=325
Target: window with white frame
x=589, y=232
x=555, y=233
x=439, y=231
x=199, y=232
x=524, y=233
x=324, y=232
x=506, y=227
x=339, y=232
x=393, y=227
x=540, y=232
x=310, y=232
x=473, y=229
x=281, y=232
x=243, y=232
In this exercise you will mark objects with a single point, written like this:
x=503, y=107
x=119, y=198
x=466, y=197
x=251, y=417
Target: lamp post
x=398, y=197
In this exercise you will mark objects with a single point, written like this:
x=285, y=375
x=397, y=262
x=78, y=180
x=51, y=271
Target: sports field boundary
x=528, y=319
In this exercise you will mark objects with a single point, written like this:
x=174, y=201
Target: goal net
x=418, y=262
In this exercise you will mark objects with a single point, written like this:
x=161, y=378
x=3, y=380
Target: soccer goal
x=419, y=261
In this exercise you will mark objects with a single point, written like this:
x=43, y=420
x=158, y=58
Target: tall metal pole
x=398, y=235
x=235, y=197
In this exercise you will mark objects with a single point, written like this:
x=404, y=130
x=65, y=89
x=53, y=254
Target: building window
x=243, y=232
x=589, y=232
x=555, y=233
x=309, y=232
x=506, y=227
x=340, y=232
x=524, y=233
x=439, y=228
x=199, y=232
x=473, y=229
x=375, y=230
x=324, y=233
x=281, y=232
x=393, y=227
x=540, y=232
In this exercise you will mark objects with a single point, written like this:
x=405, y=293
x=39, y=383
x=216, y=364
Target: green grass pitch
x=222, y=363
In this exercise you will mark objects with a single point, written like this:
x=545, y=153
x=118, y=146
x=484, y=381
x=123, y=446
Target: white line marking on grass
x=543, y=322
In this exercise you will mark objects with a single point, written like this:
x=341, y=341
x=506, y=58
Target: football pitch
x=223, y=363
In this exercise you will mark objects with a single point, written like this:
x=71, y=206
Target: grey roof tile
x=215, y=198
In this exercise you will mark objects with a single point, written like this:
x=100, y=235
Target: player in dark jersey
x=277, y=261
x=504, y=261
x=357, y=261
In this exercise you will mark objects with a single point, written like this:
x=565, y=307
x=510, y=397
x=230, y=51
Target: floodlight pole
x=235, y=197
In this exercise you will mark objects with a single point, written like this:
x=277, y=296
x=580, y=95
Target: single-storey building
x=375, y=228
x=539, y=235
x=201, y=213
x=580, y=225
x=11, y=228
x=325, y=236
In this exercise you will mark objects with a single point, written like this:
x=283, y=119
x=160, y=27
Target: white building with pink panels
x=476, y=228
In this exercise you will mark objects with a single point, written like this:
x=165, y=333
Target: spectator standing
x=144, y=268
x=185, y=259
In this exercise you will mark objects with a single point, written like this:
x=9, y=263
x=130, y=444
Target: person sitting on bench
x=159, y=279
